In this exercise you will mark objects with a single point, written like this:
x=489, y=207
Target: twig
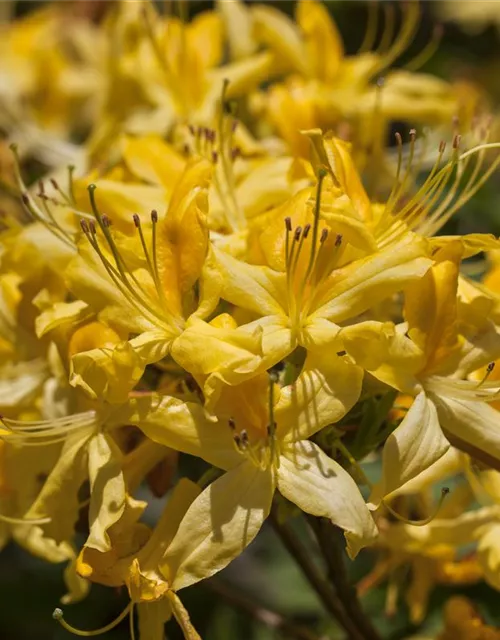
x=303, y=558
x=329, y=540
x=262, y=614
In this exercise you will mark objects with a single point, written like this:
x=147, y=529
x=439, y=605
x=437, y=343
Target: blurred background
x=265, y=575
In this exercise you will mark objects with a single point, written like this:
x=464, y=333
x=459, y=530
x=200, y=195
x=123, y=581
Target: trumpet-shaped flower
x=260, y=438
x=430, y=360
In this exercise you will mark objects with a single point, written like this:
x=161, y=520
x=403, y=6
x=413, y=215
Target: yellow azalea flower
x=431, y=363
x=327, y=89
x=423, y=212
x=150, y=564
x=260, y=439
x=147, y=287
x=304, y=296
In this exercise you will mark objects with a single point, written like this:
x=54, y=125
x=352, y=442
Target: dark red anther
x=298, y=231
x=54, y=184
x=324, y=236
x=92, y=227
x=154, y=216
x=25, y=198
x=288, y=223
x=338, y=240
x=105, y=221
x=307, y=228
x=84, y=225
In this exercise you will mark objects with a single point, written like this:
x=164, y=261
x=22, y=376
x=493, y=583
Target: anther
x=84, y=225
x=399, y=139
x=215, y=157
x=54, y=184
x=307, y=228
x=235, y=153
x=338, y=240
x=41, y=186
x=232, y=424
x=237, y=440
x=298, y=231
x=456, y=140
x=244, y=438
x=413, y=134
x=324, y=236
x=442, y=146
x=154, y=216
x=137, y=220
x=92, y=227
x=106, y=221
x=25, y=199
x=490, y=367
x=288, y=223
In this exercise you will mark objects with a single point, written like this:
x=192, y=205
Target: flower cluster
x=235, y=266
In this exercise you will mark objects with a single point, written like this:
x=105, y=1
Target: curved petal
x=473, y=427
x=184, y=427
x=320, y=486
x=252, y=287
x=488, y=553
x=415, y=445
x=219, y=525
x=107, y=490
x=274, y=29
x=324, y=392
x=362, y=284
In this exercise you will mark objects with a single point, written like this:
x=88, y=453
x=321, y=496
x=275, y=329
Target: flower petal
x=415, y=445
x=324, y=392
x=320, y=486
x=219, y=525
x=473, y=427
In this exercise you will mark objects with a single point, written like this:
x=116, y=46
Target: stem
x=329, y=540
x=303, y=558
x=259, y=613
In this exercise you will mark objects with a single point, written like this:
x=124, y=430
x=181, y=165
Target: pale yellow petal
x=320, y=486
x=219, y=525
x=107, y=490
x=414, y=446
x=324, y=392
x=184, y=427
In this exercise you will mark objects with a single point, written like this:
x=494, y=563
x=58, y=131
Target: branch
x=329, y=541
x=302, y=556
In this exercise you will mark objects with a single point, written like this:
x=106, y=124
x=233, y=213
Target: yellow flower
x=432, y=363
x=260, y=438
x=146, y=286
x=305, y=295
x=150, y=564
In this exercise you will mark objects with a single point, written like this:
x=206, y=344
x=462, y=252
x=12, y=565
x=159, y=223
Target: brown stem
x=330, y=542
x=303, y=558
x=262, y=614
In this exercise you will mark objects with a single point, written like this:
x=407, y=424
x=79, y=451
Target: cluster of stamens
x=46, y=432
x=444, y=191
x=294, y=244
x=152, y=308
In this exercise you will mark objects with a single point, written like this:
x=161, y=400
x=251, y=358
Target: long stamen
x=428, y=51
x=322, y=173
x=419, y=523
x=59, y=616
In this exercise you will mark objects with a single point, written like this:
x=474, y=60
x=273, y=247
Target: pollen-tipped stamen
x=58, y=615
x=419, y=523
